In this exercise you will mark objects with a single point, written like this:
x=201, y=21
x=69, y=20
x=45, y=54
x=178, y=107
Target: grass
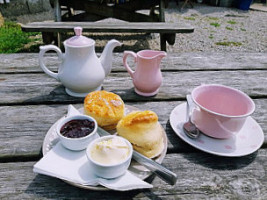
x=231, y=22
x=190, y=18
x=229, y=28
x=213, y=18
x=229, y=43
x=215, y=24
x=13, y=40
x=211, y=36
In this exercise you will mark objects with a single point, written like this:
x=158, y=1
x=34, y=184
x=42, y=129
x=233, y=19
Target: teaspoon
x=189, y=127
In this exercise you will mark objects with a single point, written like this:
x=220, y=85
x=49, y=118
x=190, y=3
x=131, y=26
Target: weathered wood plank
x=28, y=62
x=124, y=27
x=23, y=128
x=200, y=176
x=39, y=88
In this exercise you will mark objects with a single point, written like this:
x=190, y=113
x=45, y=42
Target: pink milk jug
x=147, y=76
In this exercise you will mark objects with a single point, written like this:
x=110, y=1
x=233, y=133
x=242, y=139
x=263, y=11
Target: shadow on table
x=48, y=187
x=59, y=95
x=56, y=95
x=131, y=95
x=221, y=163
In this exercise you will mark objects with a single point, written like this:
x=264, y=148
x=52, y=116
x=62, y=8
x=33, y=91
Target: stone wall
x=22, y=7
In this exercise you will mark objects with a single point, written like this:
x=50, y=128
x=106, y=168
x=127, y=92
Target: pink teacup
x=220, y=111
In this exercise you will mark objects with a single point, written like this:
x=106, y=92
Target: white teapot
x=80, y=71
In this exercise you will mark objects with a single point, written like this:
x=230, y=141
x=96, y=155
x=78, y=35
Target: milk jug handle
x=43, y=50
x=125, y=55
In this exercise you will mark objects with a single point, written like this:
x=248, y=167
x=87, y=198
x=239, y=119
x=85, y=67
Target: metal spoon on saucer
x=189, y=127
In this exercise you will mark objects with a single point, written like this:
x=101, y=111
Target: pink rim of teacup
x=248, y=99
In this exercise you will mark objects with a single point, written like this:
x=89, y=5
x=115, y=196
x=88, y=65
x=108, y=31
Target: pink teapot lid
x=79, y=40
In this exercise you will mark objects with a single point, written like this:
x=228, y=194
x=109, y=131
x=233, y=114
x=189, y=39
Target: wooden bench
x=167, y=31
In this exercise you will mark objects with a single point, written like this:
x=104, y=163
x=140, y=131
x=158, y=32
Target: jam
x=77, y=128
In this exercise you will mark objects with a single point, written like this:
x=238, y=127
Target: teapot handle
x=125, y=55
x=43, y=50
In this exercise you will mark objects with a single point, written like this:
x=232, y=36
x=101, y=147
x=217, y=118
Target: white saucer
x=248, y=140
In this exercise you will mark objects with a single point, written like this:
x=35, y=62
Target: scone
x=105, y=107
x=143, y=130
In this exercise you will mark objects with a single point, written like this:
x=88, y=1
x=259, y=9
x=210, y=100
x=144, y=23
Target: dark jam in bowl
x=77, y=128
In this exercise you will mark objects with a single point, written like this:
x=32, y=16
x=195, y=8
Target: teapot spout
x=106, y=56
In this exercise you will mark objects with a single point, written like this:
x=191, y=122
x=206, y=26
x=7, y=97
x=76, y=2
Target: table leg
x=162, y=11
x=48, y=37
x=57, y=11
x=162, y=42
x=170, y=38
x=162, y=19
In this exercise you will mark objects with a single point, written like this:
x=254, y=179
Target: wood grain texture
x=23, y=128
x=125, y=27
x=30, y=102
x=39, y=88
x=200, y=176
x=28, y=62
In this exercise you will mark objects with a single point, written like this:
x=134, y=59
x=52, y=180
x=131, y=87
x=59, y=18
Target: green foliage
x=215, y=24
x=12, y=39
x=231, y=22
x=229, y=28
x=229, y=43
x=242, y=29
x=211, y=36
x=213, y=18
x=190, y=18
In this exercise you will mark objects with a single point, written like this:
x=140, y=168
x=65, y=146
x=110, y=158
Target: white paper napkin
x=73, y=166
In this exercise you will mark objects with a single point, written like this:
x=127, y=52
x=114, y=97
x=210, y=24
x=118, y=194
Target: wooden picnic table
x=94, y=10
x=30, y=102
x=73, y=11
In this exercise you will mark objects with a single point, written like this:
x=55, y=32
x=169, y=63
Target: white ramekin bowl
x=109, y=171
x=76, y=144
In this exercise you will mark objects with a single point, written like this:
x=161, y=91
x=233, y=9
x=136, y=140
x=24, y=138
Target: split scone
x=143, y=130
x=105, y=107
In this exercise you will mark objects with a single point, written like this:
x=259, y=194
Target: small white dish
x=248, y=140
x=76, y=144
x=106, y=170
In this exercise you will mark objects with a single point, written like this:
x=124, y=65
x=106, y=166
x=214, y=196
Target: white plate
x=249, y=139
x=51, y=139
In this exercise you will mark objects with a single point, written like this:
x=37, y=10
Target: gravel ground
x=217, y=29
x=220, y=29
